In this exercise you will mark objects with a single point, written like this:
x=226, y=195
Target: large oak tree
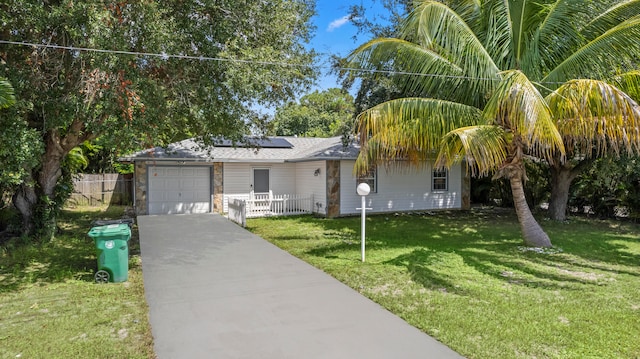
x=219, y=61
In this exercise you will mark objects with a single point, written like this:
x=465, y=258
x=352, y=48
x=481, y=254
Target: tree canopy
x=318, y=114
x=496, y=82
x=164, y=70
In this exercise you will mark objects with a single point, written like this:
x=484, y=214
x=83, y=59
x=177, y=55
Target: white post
x=363, y=190
x=363, y=215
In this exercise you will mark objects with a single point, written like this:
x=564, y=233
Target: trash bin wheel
x=102, y=276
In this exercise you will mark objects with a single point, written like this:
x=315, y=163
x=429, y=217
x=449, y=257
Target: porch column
x=333, y=188
x=218, y=187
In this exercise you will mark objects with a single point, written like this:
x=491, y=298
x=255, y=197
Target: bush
x=611, y=187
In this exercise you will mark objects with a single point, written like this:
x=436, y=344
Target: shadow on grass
x=70, y=255
x=419, y=264
x=488, y=242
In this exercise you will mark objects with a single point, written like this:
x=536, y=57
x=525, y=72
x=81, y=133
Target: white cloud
x=338, y=23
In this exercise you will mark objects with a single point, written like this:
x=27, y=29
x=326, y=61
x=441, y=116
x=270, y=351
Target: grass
x=50, y=306
x=465, y=279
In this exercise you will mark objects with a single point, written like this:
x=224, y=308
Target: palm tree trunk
x=533, y=234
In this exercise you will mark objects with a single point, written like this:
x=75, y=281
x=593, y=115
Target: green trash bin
x=112, y=249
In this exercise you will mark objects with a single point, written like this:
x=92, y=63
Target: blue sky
x=334, y=33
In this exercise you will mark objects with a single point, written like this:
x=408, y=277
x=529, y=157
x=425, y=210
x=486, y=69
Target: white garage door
x=175, y=190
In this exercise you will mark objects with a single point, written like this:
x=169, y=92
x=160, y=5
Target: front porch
x=254, y=205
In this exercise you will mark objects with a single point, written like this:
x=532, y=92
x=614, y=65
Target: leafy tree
x=67, y=95
x=380, y=26
x=498, y=82
x=374, y=90
x=609, y=187
x=17, y=151
x=318, y=114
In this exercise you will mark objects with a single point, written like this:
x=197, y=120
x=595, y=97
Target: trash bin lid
x=111, y=230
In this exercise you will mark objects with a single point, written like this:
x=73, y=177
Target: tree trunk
x=25, y=200
x=560, y=182
x=561, y=178
x=34, y=198
x=533, y=234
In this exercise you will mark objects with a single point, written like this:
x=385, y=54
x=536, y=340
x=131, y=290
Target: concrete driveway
x=216, y=290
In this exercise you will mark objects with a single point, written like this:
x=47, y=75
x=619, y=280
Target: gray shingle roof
x=303, y=149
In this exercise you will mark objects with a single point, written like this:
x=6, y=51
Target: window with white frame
x=440, y=180
x=370, y=178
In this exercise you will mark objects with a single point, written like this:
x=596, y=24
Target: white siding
x=238, y=178
x=405, y=190
x=307, y=183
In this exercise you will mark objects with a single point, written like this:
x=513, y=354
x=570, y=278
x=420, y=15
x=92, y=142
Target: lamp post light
x=363, y=190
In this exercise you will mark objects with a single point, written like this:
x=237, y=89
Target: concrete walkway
x=216, y=290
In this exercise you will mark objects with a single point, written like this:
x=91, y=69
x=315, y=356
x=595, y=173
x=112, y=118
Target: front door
x=261, y=180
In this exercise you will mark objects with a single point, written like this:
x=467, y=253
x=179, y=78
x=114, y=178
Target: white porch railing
x=267, y=204
x=238, y=211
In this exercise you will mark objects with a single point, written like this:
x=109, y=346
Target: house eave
x=162, y=159
x=323, y=158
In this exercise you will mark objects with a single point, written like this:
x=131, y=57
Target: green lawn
x=50, y=306
x=465, y=279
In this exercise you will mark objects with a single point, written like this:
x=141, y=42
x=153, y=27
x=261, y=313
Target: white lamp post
x=363, y=190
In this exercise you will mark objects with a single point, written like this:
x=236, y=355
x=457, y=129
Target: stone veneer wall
x=140, y=187
x=333, y=189
x=218, y=187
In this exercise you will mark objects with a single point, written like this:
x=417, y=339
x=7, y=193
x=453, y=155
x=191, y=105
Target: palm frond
x=518, y=107
x=595, y=117
x=629, y=82
x=424, y=72
x=555, y=37
x=495, y=31
x=611, y=17
x=7, y=96
x=483, y=147
x=409, y=129
x=469, y=10
x=437, y=27
x=524, y=16
x=76, y=160
x=601, y=57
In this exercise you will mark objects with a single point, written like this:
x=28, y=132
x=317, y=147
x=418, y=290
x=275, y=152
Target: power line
x=149, y=54
x=165, y=56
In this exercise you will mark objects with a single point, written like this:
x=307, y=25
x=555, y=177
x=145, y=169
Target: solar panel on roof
x=273, y=142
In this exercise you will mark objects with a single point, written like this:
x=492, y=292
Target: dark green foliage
x=380, y=26
x=484, y=190
x=103, y=159
x=318, y=114
x=610, y=187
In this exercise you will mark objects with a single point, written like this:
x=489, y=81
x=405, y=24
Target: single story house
x=188, y=178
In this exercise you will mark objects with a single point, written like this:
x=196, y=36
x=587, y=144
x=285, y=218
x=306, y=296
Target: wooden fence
x=102, y=189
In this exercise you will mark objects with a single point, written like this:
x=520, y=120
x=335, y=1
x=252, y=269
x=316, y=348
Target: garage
x=179, y=189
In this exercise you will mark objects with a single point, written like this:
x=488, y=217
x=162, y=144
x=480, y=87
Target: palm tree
x=496, y=82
